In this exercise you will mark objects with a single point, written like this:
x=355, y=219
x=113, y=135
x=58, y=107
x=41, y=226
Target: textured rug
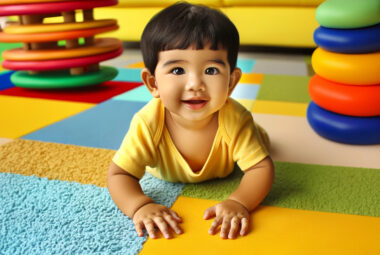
x=56, y=146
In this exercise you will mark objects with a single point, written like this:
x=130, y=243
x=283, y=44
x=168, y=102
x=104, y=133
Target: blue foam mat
x=245, y=91
x=41, y=216
x=103, y=126
x=139, y=94
x=129, y=74
x=246, y=65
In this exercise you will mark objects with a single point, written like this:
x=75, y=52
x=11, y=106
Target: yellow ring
x=352, y=69
x=57, y=27
x=102, y=45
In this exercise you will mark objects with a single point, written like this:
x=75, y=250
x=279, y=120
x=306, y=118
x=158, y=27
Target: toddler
x=192, y=131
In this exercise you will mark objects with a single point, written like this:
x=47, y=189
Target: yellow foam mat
x=283, y=108
x=22, y=115
x=136, y=65
x=253, y=78
x=247, y=103
x=274, y=230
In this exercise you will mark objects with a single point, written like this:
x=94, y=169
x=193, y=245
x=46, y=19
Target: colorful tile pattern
x=57, y=146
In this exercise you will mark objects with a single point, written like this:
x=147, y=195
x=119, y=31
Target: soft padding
x=342, y=128
x=53, y=7
x=355, y=69
x=348, y=13
x=345, y=99
x=62, y=79
x=362, y=40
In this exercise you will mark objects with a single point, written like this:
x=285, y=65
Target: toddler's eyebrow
x=170, y=62
x=218, y=61
x=173, y=62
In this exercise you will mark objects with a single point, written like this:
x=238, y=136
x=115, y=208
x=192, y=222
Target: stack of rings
x=42, y=63
x=346, y=88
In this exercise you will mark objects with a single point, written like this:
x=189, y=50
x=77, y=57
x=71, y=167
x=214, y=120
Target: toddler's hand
x=151, y=215
x=233, y=217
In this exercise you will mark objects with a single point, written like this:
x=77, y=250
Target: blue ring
x=342, y=128
x=361, y=40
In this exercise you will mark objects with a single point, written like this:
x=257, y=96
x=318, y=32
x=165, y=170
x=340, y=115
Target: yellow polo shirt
x=148, y=146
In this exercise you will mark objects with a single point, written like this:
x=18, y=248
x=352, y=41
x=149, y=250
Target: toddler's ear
x=150, y=82
x=234, y=80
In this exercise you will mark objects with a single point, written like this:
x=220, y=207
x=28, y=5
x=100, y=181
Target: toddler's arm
x=127, y=194
x=233, y=213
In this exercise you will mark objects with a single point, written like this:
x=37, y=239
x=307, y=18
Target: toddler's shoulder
x=233, y=112
x=152, y=116
x=234, y=116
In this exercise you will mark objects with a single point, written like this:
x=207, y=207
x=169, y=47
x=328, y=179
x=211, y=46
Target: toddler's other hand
x=151, y=215
x=233, y=217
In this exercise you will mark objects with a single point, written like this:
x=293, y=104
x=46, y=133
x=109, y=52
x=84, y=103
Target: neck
x=176, y=121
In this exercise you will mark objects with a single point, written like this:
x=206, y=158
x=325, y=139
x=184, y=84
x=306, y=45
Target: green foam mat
x=335, y=189
x=284, y=88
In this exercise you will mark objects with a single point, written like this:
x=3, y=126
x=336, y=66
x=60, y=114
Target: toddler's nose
x=195, y=83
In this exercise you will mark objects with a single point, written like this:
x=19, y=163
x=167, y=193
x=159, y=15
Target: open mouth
x=195, y=104
x=194, y=101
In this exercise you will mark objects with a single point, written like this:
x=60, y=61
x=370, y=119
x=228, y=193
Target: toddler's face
x=193, y=84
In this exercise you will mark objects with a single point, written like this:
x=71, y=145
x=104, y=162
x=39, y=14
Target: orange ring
x=56, y=36
x=102, y=45
x=58, y=27
x=345, y=99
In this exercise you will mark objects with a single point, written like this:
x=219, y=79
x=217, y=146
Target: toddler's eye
x=178, y=71
x=212, y=71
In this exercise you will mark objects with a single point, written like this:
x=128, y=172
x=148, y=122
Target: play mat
x=56, y=146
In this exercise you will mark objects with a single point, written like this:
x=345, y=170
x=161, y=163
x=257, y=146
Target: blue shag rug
x=41, y=216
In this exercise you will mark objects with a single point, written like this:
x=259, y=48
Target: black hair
x=182, y=25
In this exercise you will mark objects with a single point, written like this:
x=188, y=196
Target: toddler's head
x=183, y=25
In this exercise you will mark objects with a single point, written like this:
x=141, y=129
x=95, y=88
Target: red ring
x=353, y=100
x=54, y=7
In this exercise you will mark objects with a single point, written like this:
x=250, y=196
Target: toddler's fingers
x=149, y=226
x=163, y=226
x=173, y=223
x=210, y=213
x=244, y=226
x=225, y=227
x=235, y=224
x=139, y=228
x=175, y=216
x=214, y=225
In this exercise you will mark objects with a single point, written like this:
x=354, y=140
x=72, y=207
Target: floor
x=325, y=199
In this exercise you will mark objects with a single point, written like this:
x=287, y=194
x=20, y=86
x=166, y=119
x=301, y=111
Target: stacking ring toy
x=355, y=69
x=58, y=27
x=42, y=63
x=100, y=46
x=58, y=64
x=344, y=129
x=8, y=2
x=54, y=7
x=54, y=36
x=362, y=40
x=62, y=79
x=345, y=99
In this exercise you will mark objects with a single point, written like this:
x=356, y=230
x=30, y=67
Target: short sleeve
x=137, y=149
x=248, y=142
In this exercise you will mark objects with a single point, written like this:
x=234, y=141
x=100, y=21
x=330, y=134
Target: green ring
x=62, y=79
